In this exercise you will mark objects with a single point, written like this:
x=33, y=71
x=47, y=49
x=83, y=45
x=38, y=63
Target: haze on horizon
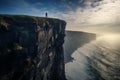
x=95, y=16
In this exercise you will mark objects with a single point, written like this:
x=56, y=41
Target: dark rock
x=32, y=48
x=74, y=40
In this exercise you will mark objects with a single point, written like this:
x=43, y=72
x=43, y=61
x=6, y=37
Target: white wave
x=76, y=70
x=103, y=46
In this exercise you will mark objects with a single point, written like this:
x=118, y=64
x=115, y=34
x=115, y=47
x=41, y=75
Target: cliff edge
x=31, y=48
x=75, y=40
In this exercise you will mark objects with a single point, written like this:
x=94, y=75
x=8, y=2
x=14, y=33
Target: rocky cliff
x=31, y=48
x=74, y=40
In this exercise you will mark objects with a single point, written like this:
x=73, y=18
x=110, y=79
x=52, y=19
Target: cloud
x=79, y=14
x=39, y=9
x=108, y=14
x=95, y=13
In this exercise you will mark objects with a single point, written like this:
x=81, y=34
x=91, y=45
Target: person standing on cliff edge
x=46, y=14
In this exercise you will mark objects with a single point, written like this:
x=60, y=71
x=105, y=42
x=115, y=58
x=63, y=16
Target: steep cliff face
x=74, y=40
x=31, y=48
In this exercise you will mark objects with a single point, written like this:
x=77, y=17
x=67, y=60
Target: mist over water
x=96, y=60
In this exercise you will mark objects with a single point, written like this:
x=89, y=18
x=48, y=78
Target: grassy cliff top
x=6, y=19
x=26, y=16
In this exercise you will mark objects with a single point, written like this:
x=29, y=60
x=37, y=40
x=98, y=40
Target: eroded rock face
x=74, y=40
x=31, y=48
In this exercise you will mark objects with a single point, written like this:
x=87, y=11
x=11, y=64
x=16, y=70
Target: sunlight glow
x=110, y=38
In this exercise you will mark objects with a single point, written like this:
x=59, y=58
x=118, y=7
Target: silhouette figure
x=46, y=14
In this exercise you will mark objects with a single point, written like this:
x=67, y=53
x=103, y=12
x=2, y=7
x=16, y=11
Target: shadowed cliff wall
x=74, y=40
x=31, y=48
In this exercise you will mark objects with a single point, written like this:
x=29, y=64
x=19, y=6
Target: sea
x=96, y=60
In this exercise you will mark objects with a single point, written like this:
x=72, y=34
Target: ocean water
x=97, y=60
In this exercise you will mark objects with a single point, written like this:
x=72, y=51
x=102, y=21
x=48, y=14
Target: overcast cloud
x=99, y=15
x=85, y=15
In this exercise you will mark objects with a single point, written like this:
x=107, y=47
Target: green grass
x=26, y=16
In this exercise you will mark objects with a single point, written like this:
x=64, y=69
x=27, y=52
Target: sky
x=97, y=16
